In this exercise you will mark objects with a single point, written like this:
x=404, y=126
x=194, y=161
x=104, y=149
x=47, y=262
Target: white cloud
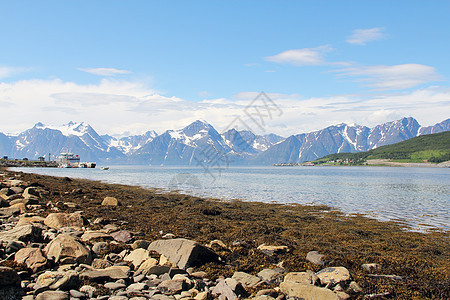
x=394, y=77
x=302, y=57
x=104, y=71
x=362, y=36
x=117, y=106
x=6, y=72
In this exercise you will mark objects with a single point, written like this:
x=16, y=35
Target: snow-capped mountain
x=79, y=138
x=130, y=144
x=342, y=138
x=200, y=144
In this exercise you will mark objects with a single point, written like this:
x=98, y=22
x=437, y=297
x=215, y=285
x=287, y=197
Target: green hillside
x=432, y=148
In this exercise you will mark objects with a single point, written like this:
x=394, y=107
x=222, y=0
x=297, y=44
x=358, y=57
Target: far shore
x=388, y=162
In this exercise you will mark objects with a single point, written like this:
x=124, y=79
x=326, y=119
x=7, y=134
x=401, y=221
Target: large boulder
x=58, y=280
x=306, y=291
x=25, y=233
x=334, y=275
x=58, y=220
x=111, y=201
x=183, y=252
x=33, y=258
x=66, y=249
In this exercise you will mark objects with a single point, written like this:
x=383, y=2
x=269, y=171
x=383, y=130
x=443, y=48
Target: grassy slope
x=431, y=147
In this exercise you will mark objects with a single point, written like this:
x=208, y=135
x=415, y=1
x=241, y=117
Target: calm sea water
x=419, y=197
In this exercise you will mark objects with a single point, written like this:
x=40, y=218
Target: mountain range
x=201, y=144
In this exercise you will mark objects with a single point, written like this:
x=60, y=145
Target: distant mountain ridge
x=200, y=144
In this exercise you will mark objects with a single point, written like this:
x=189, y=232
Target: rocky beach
x=65, y=238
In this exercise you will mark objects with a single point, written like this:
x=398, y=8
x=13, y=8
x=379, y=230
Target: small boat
x=104, y=168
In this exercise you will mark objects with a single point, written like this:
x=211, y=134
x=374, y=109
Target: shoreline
x=421, y=259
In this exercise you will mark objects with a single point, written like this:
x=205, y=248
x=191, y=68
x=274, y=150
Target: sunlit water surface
x=417, y=196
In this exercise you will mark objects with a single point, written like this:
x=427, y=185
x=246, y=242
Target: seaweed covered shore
x=383, y=259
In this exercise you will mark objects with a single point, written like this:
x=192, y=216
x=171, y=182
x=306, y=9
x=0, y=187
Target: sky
x=126, y=67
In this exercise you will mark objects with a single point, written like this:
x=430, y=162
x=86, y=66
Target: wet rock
x=53, y=295
x=185, y=253
x=33, y=258
x=272, y=250
x=58, y=220
x=68, y=249
x=306, y=291
x=333, y=275
x=140, y=244
x=111, y=201
x=123, y=236
x=315, y=257
x=25, y=233
x=271, y=276
x=246, y=279
x=301, y=277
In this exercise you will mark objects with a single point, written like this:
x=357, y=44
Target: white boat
x=68, y=160
x=104, y=168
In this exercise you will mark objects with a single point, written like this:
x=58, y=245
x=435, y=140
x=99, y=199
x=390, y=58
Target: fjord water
x=419, y=197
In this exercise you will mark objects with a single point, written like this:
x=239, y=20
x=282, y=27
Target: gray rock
x=272, y=276
x=172, y=287
x=76, y=294
x=162, y=297
x=315, y=257
x=183, y=252
x=98, y=247
x=334, y=275
x=123, y=236
x=58, y=220
x=136, y=257
x=246, y=279
x=137, y=286
x=114, y=285
x=104, y=274
x=158, y=270
x=223, y=291
x=68, y=249
x=52, y=295
x=25, y=233
x=307, y=277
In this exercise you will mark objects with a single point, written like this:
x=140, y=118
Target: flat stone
x=114, y=285
x=53, y=295
x=202, y=275
x=223, y=291
x=6, y=212
x=58, y=280
x=123, y=236
x=156, y=269
x=111, y=201
x=203, y=296
x=9, y=276
x=58, y=220
x=68, y=249
x=139, y=286
x=172, y=287
x=301, y=277
x=271, y=276
x=333, y=275
x=25, y=233
x=77, y=294
x=29, y=220
x=272, y=250
x=111, y=273
x=33, y=258
x=306, y=291
x=246, y=279
x=315, y=257
x=136, y=257
x=95, y=235
x=183, y=252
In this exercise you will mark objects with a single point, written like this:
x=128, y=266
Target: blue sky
x=131, y=66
